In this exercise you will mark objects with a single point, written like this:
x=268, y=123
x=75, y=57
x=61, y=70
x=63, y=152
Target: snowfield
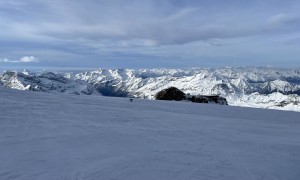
x=69, y=137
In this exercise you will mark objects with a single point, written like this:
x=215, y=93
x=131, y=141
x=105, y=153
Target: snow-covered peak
x=240, y=86
x=45, y=82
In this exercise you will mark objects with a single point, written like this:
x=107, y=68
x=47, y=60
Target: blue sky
x=148, y=34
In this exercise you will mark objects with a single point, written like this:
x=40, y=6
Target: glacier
x=57, y=136
x=264, y=87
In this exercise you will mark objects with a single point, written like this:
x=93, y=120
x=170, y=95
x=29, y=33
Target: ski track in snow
x=65, y=137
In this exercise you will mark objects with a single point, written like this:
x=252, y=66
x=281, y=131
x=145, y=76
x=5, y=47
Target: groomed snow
x=53, y=136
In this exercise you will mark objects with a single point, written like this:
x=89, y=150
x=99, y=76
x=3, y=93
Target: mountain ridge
x=253, y=87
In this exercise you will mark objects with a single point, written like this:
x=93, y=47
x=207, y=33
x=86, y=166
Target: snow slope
x=66, y=137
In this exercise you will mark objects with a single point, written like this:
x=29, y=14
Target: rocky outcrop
x=208, y=99
x=172, y=93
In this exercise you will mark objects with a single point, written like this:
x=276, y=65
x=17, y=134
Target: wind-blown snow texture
x=253, y=87
x=54, y=136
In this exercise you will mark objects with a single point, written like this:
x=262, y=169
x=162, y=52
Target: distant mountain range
x=252, y=87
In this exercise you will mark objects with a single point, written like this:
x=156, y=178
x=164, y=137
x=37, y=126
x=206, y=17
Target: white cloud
x=24, y=59
x=4, y=60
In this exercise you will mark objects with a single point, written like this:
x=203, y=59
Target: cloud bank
x=114, y=32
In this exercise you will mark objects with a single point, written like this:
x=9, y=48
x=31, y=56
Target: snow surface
x=56, y=136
